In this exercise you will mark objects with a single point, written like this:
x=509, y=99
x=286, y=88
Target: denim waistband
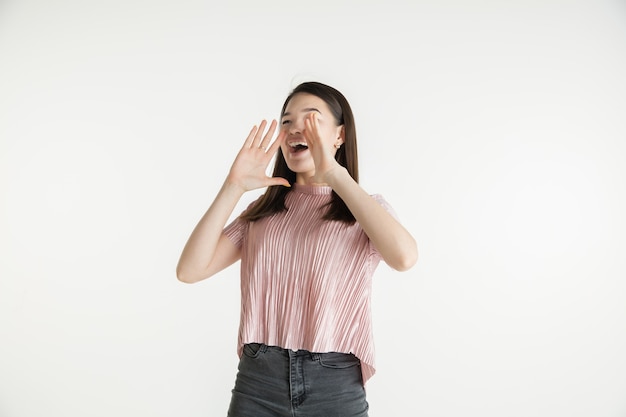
x=261, y=347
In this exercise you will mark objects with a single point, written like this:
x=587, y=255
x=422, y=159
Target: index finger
x=282, y=134
x=264, y=143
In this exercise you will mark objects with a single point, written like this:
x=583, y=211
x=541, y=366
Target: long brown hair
x=273, y=200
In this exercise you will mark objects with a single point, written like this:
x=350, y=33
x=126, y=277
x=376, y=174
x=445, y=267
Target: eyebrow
x=306, y=110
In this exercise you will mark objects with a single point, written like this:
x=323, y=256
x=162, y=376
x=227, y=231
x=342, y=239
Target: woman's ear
x=342, y=135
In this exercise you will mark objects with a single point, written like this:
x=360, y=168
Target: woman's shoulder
x=379, y=197
x=383, y=202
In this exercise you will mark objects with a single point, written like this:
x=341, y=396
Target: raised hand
x=323, y=154
x=249, y=170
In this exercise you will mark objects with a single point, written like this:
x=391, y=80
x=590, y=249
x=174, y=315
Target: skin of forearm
x=395, y=244
x=202, y=243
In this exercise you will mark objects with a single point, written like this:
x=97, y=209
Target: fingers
x=311, y=127
x=276, y=144
x=258, y=138
x=254, y=137
x=265, y=142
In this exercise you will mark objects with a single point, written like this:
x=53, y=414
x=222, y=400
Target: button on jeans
x=276, y=382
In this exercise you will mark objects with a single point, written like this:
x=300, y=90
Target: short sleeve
x=235, y=231
x=381, y=200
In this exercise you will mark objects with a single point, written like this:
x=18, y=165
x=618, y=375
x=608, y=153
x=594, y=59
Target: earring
x=337, y=145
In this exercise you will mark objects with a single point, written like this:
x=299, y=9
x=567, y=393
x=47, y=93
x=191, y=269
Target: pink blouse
x=306, y=282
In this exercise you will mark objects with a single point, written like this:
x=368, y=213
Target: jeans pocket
x=252, y=350
x=335, y=360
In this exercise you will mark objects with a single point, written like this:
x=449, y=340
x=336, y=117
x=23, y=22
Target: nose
x=295, y=128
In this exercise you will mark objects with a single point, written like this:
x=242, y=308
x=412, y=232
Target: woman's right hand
x=249, y=170
x=208, y=250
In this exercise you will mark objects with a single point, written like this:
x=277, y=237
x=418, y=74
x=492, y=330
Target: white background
x=495, y=129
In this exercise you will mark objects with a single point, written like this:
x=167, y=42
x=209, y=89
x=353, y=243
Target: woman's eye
x=286, y=122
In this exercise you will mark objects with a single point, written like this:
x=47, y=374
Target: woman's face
x=295, y=151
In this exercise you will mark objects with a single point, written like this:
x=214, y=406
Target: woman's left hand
x=323, y=154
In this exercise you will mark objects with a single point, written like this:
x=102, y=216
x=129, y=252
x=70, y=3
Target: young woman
x=308, y=249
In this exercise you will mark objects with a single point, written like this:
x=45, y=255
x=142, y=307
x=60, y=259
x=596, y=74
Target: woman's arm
x=393, y=241
x=208, y=250
x=395, y=244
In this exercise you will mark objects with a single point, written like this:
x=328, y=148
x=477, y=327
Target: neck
x=308, y=180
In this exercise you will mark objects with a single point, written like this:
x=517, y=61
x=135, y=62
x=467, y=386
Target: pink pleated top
x=306, y=282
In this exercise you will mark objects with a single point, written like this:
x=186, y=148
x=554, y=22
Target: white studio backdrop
x=495, y=129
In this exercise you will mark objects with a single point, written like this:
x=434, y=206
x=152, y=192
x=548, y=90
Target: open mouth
x=296, y=147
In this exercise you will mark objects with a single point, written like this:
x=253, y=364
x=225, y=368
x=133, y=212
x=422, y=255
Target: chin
x=300, y=167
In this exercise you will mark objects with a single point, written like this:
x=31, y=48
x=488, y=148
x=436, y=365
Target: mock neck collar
x=312, y=189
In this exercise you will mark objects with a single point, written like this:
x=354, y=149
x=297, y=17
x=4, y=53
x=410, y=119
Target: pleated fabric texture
x=306, y=282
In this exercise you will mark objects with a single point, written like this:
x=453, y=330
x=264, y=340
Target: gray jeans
x=276, y=382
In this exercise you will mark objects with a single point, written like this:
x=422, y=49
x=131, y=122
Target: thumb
x=278, y=181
